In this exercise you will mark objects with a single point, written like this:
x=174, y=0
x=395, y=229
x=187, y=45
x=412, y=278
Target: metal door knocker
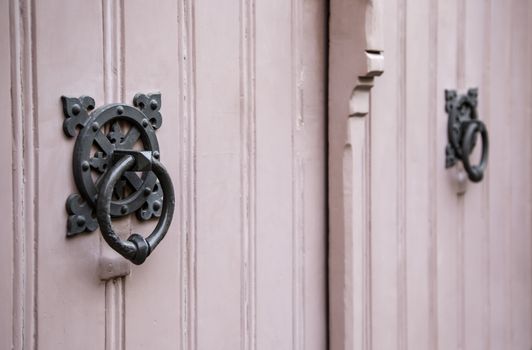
x=114, y=144
x=462, y=130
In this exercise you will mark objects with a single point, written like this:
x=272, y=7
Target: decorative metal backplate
x=99, y=132
x=460, y=109
x=463, y=129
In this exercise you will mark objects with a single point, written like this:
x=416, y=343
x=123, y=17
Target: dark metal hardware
x=136, y=248
x=462, y=131
x=113, y=144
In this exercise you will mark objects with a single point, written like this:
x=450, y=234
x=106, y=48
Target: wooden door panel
x=243, y=138
x=218, y=175
x=153, y=301
x=448, y=218
x=519, y=98
x=65, y=59
x=274, y=166
x=448, y=260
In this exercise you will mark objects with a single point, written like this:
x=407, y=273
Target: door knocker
x=463, y=129
x=115, y=143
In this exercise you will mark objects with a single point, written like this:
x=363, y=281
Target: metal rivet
x=120, y=110
x=85, y=166
x=147, y=191
x=123, y=209
x=154, y=104
x=76, y=109
x=156, y=154
x=80, y=220
x=145, y=123
x=95, y=126
x=156, y=205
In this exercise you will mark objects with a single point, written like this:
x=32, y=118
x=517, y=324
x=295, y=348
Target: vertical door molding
x=23, y=182
x=112, y=267
x=355, y=59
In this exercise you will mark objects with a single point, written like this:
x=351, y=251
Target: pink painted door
x=421, y=257
x=243, y=87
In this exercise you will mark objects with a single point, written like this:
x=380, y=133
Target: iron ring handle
x=136, y=248
x=475, y=172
